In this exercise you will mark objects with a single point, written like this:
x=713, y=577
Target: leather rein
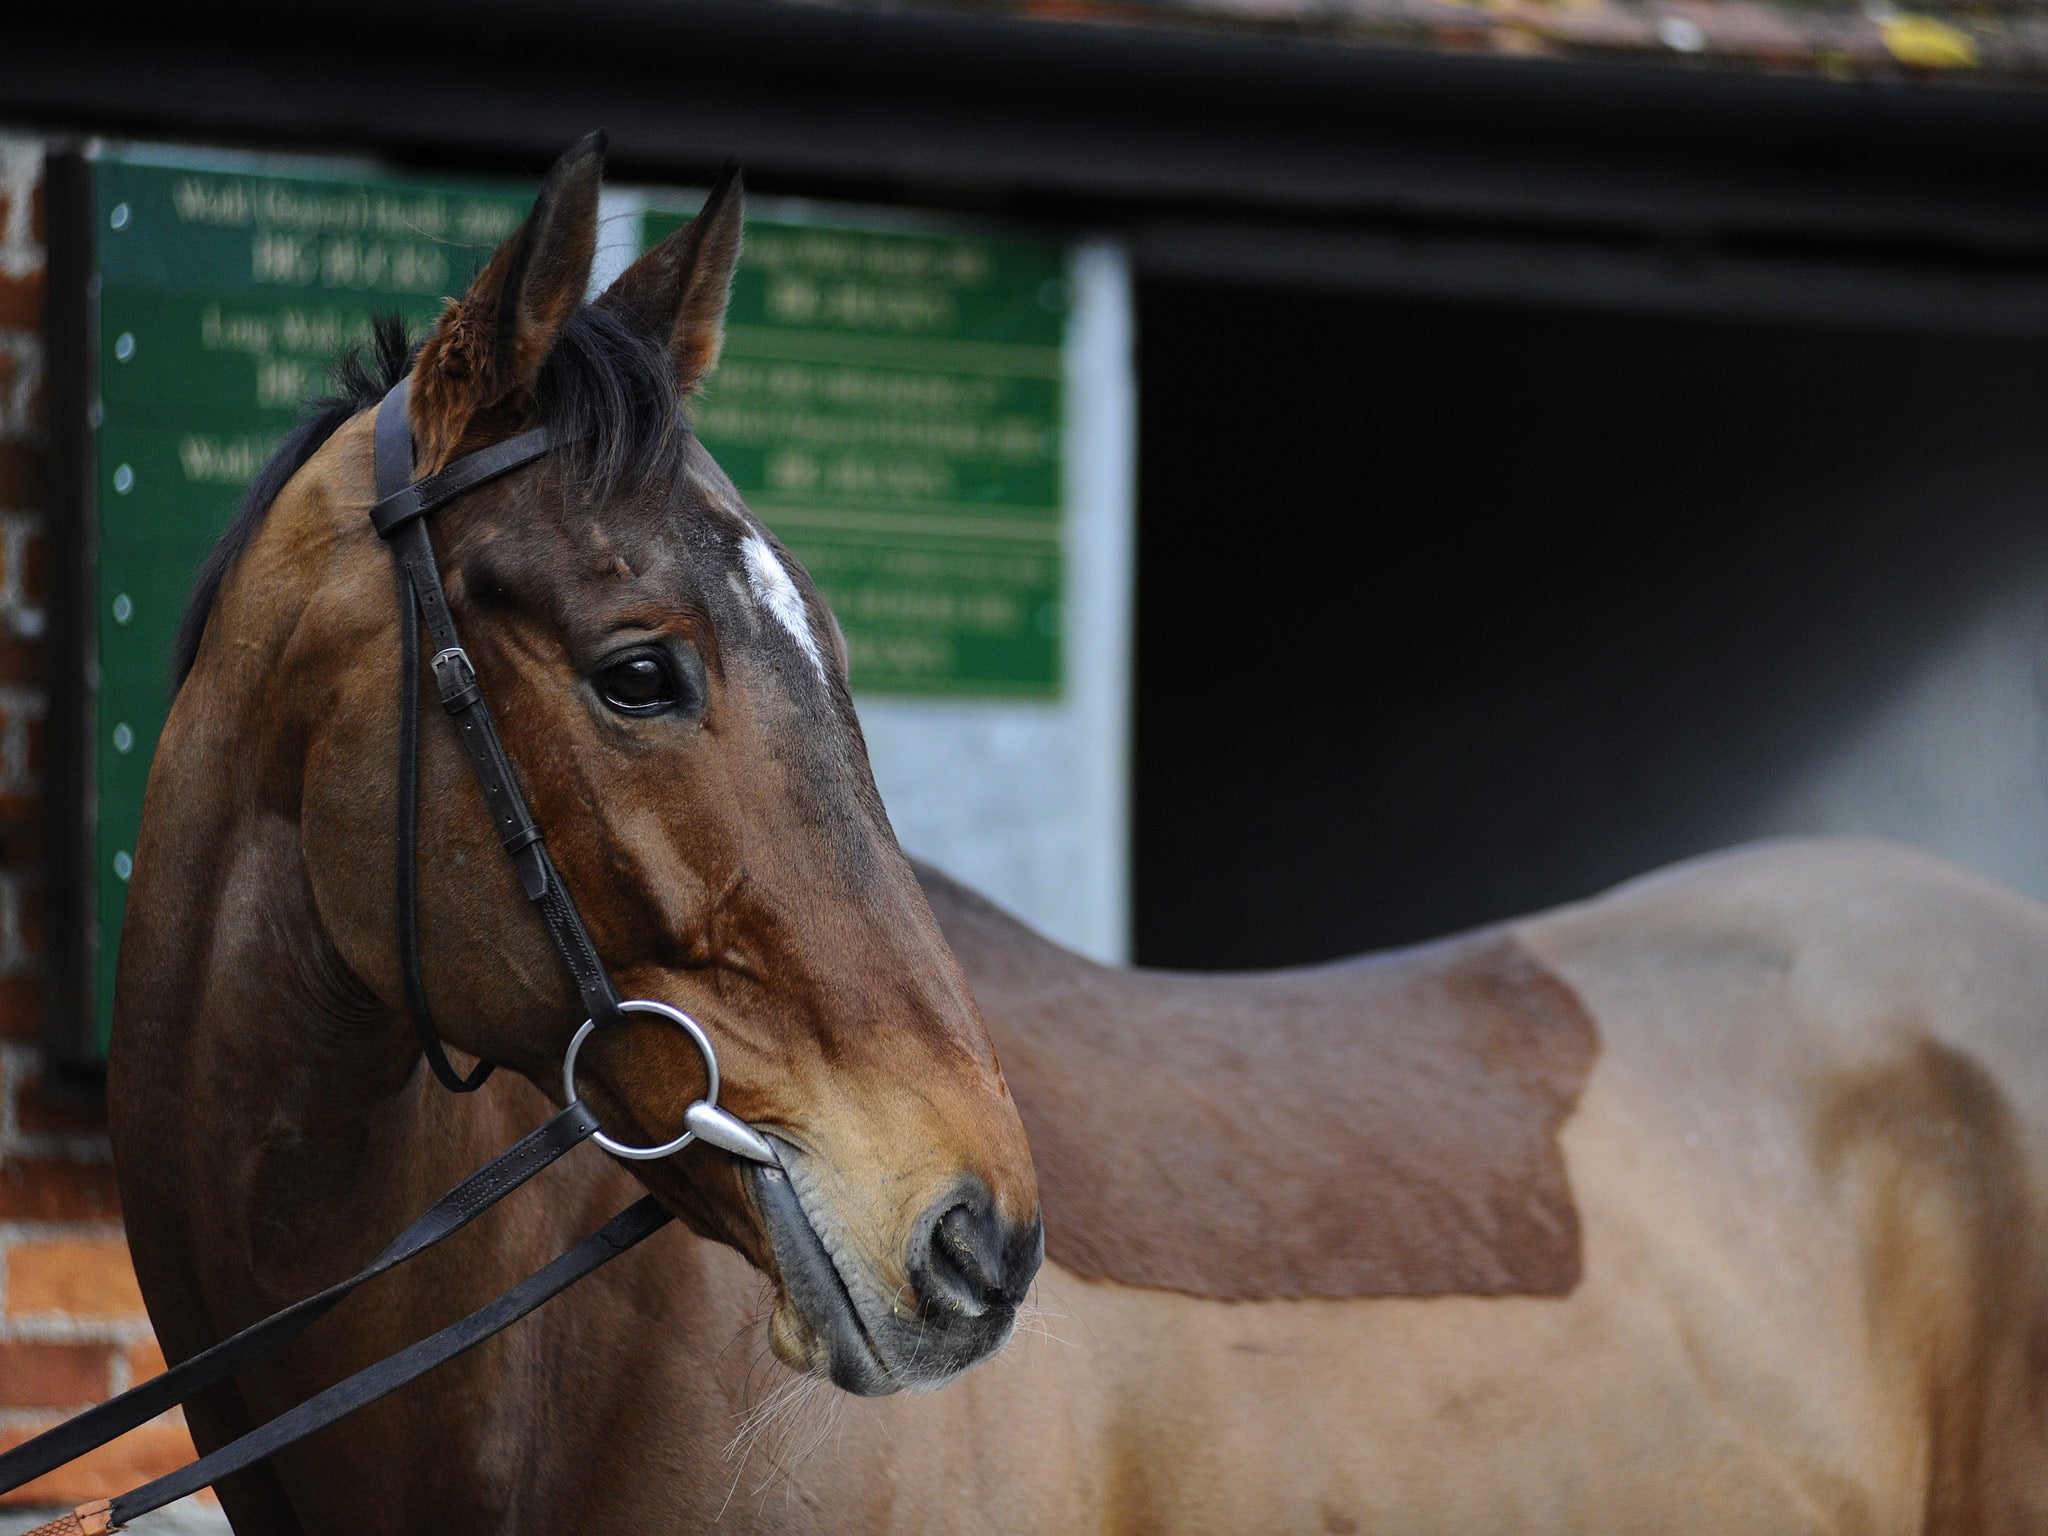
x=400, y=518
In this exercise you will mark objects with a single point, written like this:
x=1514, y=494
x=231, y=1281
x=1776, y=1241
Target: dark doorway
x=1450, y=612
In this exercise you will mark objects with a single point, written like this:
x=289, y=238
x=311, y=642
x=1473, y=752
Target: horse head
x=673, y=692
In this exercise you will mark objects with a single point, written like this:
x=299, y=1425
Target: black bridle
x=399, y=517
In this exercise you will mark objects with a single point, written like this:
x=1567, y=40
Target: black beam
x=1924, y=297
x=1081, y=121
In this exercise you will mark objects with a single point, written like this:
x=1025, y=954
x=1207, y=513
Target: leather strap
x=92, y=1519
x=409, y=499
x=394, y=466
x=454, y=1211
x=634, y=1224
x=408, y=854
x=400, y=516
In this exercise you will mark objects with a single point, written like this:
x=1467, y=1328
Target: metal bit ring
x=704, y=1119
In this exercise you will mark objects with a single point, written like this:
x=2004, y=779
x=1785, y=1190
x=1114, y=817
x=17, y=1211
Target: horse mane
x=608, y=390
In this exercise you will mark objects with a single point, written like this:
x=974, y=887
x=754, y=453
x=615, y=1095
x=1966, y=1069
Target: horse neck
x=320, y=1133
x=248, y=1055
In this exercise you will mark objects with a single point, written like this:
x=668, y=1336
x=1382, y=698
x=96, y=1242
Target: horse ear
x=488, y=345
x=679, y=289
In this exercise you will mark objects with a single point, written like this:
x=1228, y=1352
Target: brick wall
x=72, y=1328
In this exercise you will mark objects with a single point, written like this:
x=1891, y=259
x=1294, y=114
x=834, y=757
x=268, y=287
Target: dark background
x=1448, y=612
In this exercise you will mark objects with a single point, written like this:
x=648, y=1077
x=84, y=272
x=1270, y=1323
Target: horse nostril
x=957, y=1244
x=972, y=1263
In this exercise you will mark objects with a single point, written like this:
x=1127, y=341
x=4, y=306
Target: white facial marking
x=774, y=591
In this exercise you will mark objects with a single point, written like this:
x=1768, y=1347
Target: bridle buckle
x=455, y=677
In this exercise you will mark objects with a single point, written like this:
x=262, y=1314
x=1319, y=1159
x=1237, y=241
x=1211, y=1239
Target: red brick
x=21, y=661
x=83, y=1277
x=144, y=1361
x=140, y=1456
x=21, y=478
x=35, y=565
x=21, y=836
x=21, y=1017
x=54, y=1375
x=21, y=302
x=44, y=1189
x=39, y=1111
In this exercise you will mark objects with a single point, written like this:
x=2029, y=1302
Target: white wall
x=1955, y=760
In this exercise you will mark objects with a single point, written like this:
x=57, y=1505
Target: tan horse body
x=1805, y=1165
x=1712, y=1204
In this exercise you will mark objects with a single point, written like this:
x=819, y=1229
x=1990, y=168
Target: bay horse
x=1712, y=1204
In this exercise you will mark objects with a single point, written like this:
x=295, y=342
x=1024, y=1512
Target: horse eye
x=638, y=683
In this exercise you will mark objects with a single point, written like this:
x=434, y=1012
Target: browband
x=467, y=473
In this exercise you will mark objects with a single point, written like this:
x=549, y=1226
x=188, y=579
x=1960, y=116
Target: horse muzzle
x=968, y=1271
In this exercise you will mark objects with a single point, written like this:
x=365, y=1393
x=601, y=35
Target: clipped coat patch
x=1381, y=1127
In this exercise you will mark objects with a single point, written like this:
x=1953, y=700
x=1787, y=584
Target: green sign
x=889, y=403
x=224, y=295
